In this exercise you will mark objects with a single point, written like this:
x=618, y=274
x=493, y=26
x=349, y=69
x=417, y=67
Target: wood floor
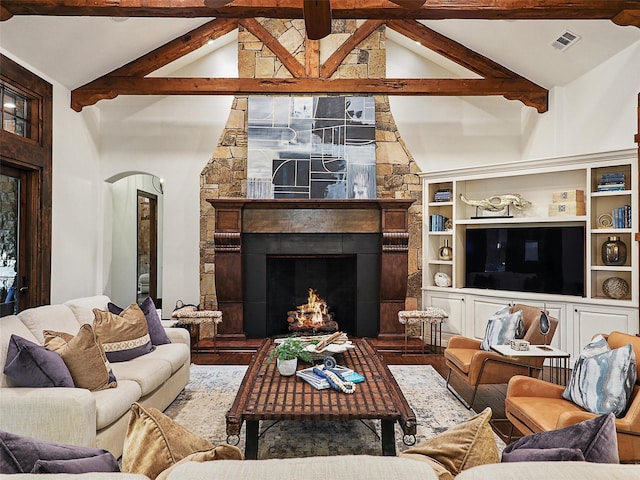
x=240, y=353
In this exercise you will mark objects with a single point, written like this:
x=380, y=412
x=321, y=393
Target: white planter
x=287, y=367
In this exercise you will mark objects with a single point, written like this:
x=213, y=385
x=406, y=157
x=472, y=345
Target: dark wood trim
x=372, y=9
x=111, y=87
x=33, y=157
x=153, y=242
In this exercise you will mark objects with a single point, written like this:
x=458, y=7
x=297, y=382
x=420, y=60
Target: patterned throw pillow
x=503, y=327
x=123, y=336
x=602, y=380
x=84, y=357
x=156, y=330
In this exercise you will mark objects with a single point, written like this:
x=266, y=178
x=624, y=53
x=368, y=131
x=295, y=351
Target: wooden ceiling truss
x=314, y=78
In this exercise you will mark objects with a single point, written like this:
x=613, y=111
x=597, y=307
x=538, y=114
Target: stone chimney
x=225, y=174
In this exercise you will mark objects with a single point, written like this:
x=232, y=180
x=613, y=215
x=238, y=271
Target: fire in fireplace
x=312, y=317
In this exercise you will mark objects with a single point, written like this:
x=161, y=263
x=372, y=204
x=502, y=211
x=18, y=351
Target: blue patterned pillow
x=503, y=327
x=602, y=381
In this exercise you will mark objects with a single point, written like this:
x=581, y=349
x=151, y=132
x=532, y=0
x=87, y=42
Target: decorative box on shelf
x=568, y=196
x=568, y=208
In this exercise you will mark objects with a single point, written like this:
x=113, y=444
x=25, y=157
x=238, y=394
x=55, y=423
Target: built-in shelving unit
x=537, y=181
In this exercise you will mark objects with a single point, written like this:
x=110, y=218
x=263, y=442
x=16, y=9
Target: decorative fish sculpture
x=495, y=203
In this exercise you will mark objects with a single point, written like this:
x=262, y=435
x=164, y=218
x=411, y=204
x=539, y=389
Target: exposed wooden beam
x=628, y=18
x=317, y=18
x=4, y=14
x=360, y=9
x=460, y=54
x=289, y=61
x=312, y=58
x=449, y=48
x=177, y=48
x=110, y=87
x=332, y=63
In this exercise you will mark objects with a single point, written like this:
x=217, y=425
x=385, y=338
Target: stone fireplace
x=227, y=237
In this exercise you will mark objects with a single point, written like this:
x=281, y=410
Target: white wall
x=76, y=198
x=451, y=132
x=172, y=138
x=595, y=113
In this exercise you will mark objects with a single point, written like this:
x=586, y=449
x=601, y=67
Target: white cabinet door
x=454, y=305
x=590, y=320
x=479, y=309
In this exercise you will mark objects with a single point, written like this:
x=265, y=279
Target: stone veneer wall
x=225, y=174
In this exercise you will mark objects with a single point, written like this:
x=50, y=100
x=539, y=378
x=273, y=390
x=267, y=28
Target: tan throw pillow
x=84, y=357
x=461, y=447
x=154, y=442
x=124, y=336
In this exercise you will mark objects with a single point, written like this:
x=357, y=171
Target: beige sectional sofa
x=81, y=417
x=363, y=467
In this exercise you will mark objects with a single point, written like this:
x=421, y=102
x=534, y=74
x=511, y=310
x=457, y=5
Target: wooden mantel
x=235, y=217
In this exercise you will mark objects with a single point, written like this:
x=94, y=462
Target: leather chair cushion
x=460, y=357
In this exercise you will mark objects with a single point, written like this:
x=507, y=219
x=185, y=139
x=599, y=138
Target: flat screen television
x=526, y=259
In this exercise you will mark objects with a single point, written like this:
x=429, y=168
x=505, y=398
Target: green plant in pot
x=287, y=354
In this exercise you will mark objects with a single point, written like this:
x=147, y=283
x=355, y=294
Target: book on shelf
x=442, y=195
x=437, y=223
x=611, y=182
x=621, y=217
x=321, y=383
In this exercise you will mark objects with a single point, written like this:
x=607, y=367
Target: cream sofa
x=363, y=467
x=77, y=416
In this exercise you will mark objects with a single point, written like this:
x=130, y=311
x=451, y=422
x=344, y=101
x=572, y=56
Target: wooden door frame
x=33, y=157
x=153, y=247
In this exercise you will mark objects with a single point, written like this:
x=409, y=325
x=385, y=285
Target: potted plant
x=287, y=354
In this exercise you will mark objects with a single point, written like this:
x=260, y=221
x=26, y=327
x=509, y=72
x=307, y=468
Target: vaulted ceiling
x=506, y=42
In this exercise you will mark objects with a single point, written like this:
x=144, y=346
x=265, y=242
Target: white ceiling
x=76, y=50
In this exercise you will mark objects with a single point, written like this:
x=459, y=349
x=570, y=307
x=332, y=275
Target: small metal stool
x=431, y=315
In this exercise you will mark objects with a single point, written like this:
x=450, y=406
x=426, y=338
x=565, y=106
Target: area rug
x=202, y=406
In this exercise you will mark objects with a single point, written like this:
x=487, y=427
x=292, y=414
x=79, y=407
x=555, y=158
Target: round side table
x=433, y=316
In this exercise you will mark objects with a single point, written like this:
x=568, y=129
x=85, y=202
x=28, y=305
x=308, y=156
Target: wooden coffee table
x=266, y=395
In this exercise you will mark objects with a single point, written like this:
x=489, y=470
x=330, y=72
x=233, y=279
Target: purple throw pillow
x=595, y=438
x=31, y=365
x=156, y=330
x=105, y=462
x=20, y=453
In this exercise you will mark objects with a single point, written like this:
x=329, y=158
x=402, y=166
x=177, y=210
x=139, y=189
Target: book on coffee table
x=321, y=383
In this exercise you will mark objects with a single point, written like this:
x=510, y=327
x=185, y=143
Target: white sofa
x=362, y=467
x=78, y=416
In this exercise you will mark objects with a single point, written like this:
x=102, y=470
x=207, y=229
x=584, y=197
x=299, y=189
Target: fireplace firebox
x=280, y=268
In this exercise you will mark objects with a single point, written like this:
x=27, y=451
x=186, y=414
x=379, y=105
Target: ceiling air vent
x=565, y=40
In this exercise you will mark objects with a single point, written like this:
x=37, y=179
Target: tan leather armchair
x=534, y=405
x=476, y=367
